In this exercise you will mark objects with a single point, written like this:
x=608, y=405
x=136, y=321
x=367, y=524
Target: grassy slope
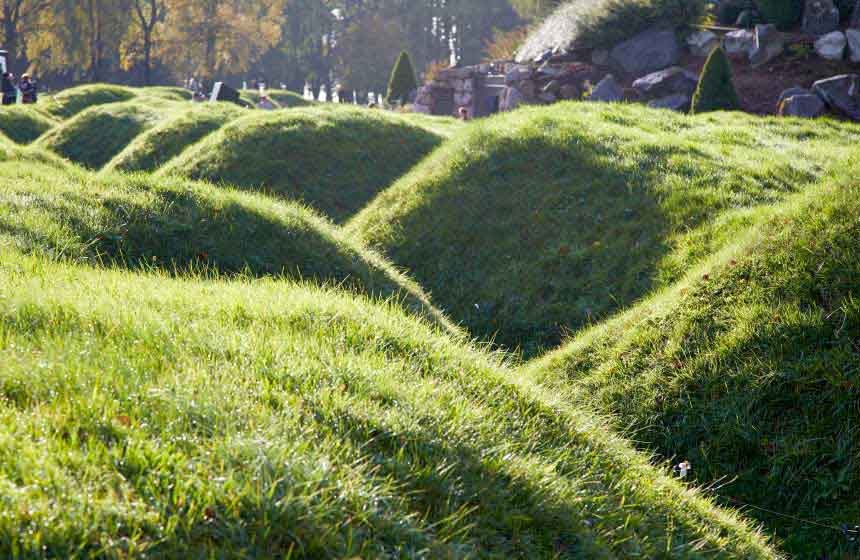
x=24, y=123
x=333, y=158
x=545, y=219
x=261, y=418
x=284, y=98
x=94, y=136
x=154, y=148
x=72, y=101
x=175, y=225
x=749, y=368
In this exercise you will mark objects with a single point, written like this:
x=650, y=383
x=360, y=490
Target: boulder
x=548, y=97
x=854, y=22
x=701, y=43
x=791, y=92
x=552, y=87
x=740, y=42
x=511, y=99
x=820, y=17
x=651, y=50
x=676, y=102
x=518, y=74
x=807, y=105
x=600, y=57
x=831, y=46
x=569, y=91
x=853, y=38
x=841, y=93
x=608, y=89
x=769, y=44
x=671, y=81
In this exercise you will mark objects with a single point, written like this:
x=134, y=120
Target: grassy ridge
x=154, y=148
x=333, y=158
x=176, y=226
x=749, y=368
x=72, y=101
x=94, y=136
x=283, y=98
x=24, y=123
x=263, y=418
x=544, y=220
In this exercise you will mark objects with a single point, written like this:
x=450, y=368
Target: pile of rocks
x=840, y=94
x=554, y=80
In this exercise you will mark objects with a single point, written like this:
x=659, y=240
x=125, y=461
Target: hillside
x=24, y=124
x=264, y=418
x=157, y=146
x=70, y=102
x=749, y=368
x=538, y=222
x=283, y=98
x=179, y=227
x=333, y=158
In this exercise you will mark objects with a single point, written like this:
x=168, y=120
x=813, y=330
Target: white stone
x=853, y=38
x=831, y=46
x=738, y=42
x=701, y=43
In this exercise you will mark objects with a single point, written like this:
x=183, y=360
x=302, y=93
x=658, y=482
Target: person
x=28, y=89
x=10, y=92
x=464, y=114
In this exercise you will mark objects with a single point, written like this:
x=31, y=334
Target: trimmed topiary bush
x=782, y=13
x=716, y=91
x=402, y=81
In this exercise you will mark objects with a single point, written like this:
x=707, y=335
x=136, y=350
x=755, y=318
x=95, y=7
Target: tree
x=402, y=82
x=364, y=51
x=18, y=17
x=715, y=91
x=147, y=15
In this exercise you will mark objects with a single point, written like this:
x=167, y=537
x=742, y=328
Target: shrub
x=402, y=81
x=782, y=13
x=716, y=91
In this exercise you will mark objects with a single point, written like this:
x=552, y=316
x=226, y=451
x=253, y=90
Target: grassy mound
x=333, y=158
x=605, y=23
x=157, y=146
x=284, y=98
x=23, y=123
x=546, y=219
x=93, y=137
x=170, y=93
x=202, y=418
x=138, y=222
x=72, y=101
x=749, y=368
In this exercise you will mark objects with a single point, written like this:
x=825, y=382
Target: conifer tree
x=402, y=81
x=715, y=91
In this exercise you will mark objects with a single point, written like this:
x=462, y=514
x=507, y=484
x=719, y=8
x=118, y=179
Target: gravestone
x=820, y=17
x=223, y=92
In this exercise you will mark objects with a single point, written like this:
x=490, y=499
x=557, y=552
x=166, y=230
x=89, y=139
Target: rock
x=820, y=17
x=569, y=92
x=701, y=43
x=600, y=57
x=791, y=92
x=668, y=82
x=543, y=57
x=547, y=70
x=677, y=102
x=853, y=38
x=651, y=50
x=518, y=74
x=854, y=22
x=553, y=87
x=841, y=93
x=548, y=97
x=740, y=42
x=511, y=99
x=769, y=44
x=831, y=46
x=607, y=89
x=806, y=105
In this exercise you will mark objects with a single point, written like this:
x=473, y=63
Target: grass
x=72, y=101
x=176, y=226
x=157, y=146
x=749, y=368
x=605, y=23
x=335, y=159
x=24, y=123
x=537, y=223
x=248, y=418
x=94, y=136
x=283, y=98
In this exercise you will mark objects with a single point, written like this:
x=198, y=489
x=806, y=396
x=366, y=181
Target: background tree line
x=354, y=42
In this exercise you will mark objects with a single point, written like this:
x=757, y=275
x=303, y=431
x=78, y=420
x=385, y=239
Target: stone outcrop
x=820, y=17
x=831, y=46
x=702, y=42
x=608, y=89
x=841, y=93
x=739, y=43
x=807, y=105
x=769, y=44
x=649, y=51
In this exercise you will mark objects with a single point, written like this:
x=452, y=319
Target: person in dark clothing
x=10, y=92
x=28, y=89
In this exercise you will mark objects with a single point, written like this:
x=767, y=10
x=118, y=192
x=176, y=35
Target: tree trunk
x=10, y=38
x=147, y=57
